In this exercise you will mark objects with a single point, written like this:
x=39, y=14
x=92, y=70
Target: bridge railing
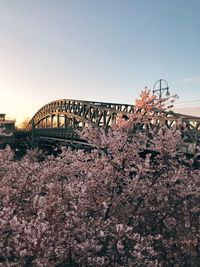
x=64, y=133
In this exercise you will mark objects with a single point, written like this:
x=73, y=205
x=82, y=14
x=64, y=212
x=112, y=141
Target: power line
x=188, y=102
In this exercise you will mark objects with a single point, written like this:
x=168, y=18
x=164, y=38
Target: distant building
x=7, y=130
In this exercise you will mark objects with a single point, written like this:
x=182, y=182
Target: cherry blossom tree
x=131, y=200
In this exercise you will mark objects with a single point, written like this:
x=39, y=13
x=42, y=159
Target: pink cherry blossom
x=132, y=199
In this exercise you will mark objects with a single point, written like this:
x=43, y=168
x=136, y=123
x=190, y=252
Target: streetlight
x=161, y=90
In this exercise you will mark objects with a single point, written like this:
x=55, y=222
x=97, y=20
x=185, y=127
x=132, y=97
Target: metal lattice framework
x=65, y=115
x=76, y=113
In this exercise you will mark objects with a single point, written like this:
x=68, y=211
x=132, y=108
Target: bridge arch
x=70, y=113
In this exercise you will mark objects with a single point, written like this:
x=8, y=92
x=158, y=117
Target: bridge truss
x=61, y=117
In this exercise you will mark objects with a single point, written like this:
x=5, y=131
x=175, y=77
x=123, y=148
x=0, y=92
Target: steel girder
x=78, y=113
x=72, y=114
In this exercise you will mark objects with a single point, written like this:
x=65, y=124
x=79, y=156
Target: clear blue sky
x=103, y=50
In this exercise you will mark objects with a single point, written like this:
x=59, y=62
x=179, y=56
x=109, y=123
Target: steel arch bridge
x=59, y=118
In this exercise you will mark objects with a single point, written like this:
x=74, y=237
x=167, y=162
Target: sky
x=99, y=50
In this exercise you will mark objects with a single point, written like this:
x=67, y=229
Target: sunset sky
x=102, y=50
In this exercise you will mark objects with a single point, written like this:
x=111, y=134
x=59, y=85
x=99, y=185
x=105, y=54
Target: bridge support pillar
x=46, y=122
x=52, y=121
x=65, y=121
x=58, y=121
